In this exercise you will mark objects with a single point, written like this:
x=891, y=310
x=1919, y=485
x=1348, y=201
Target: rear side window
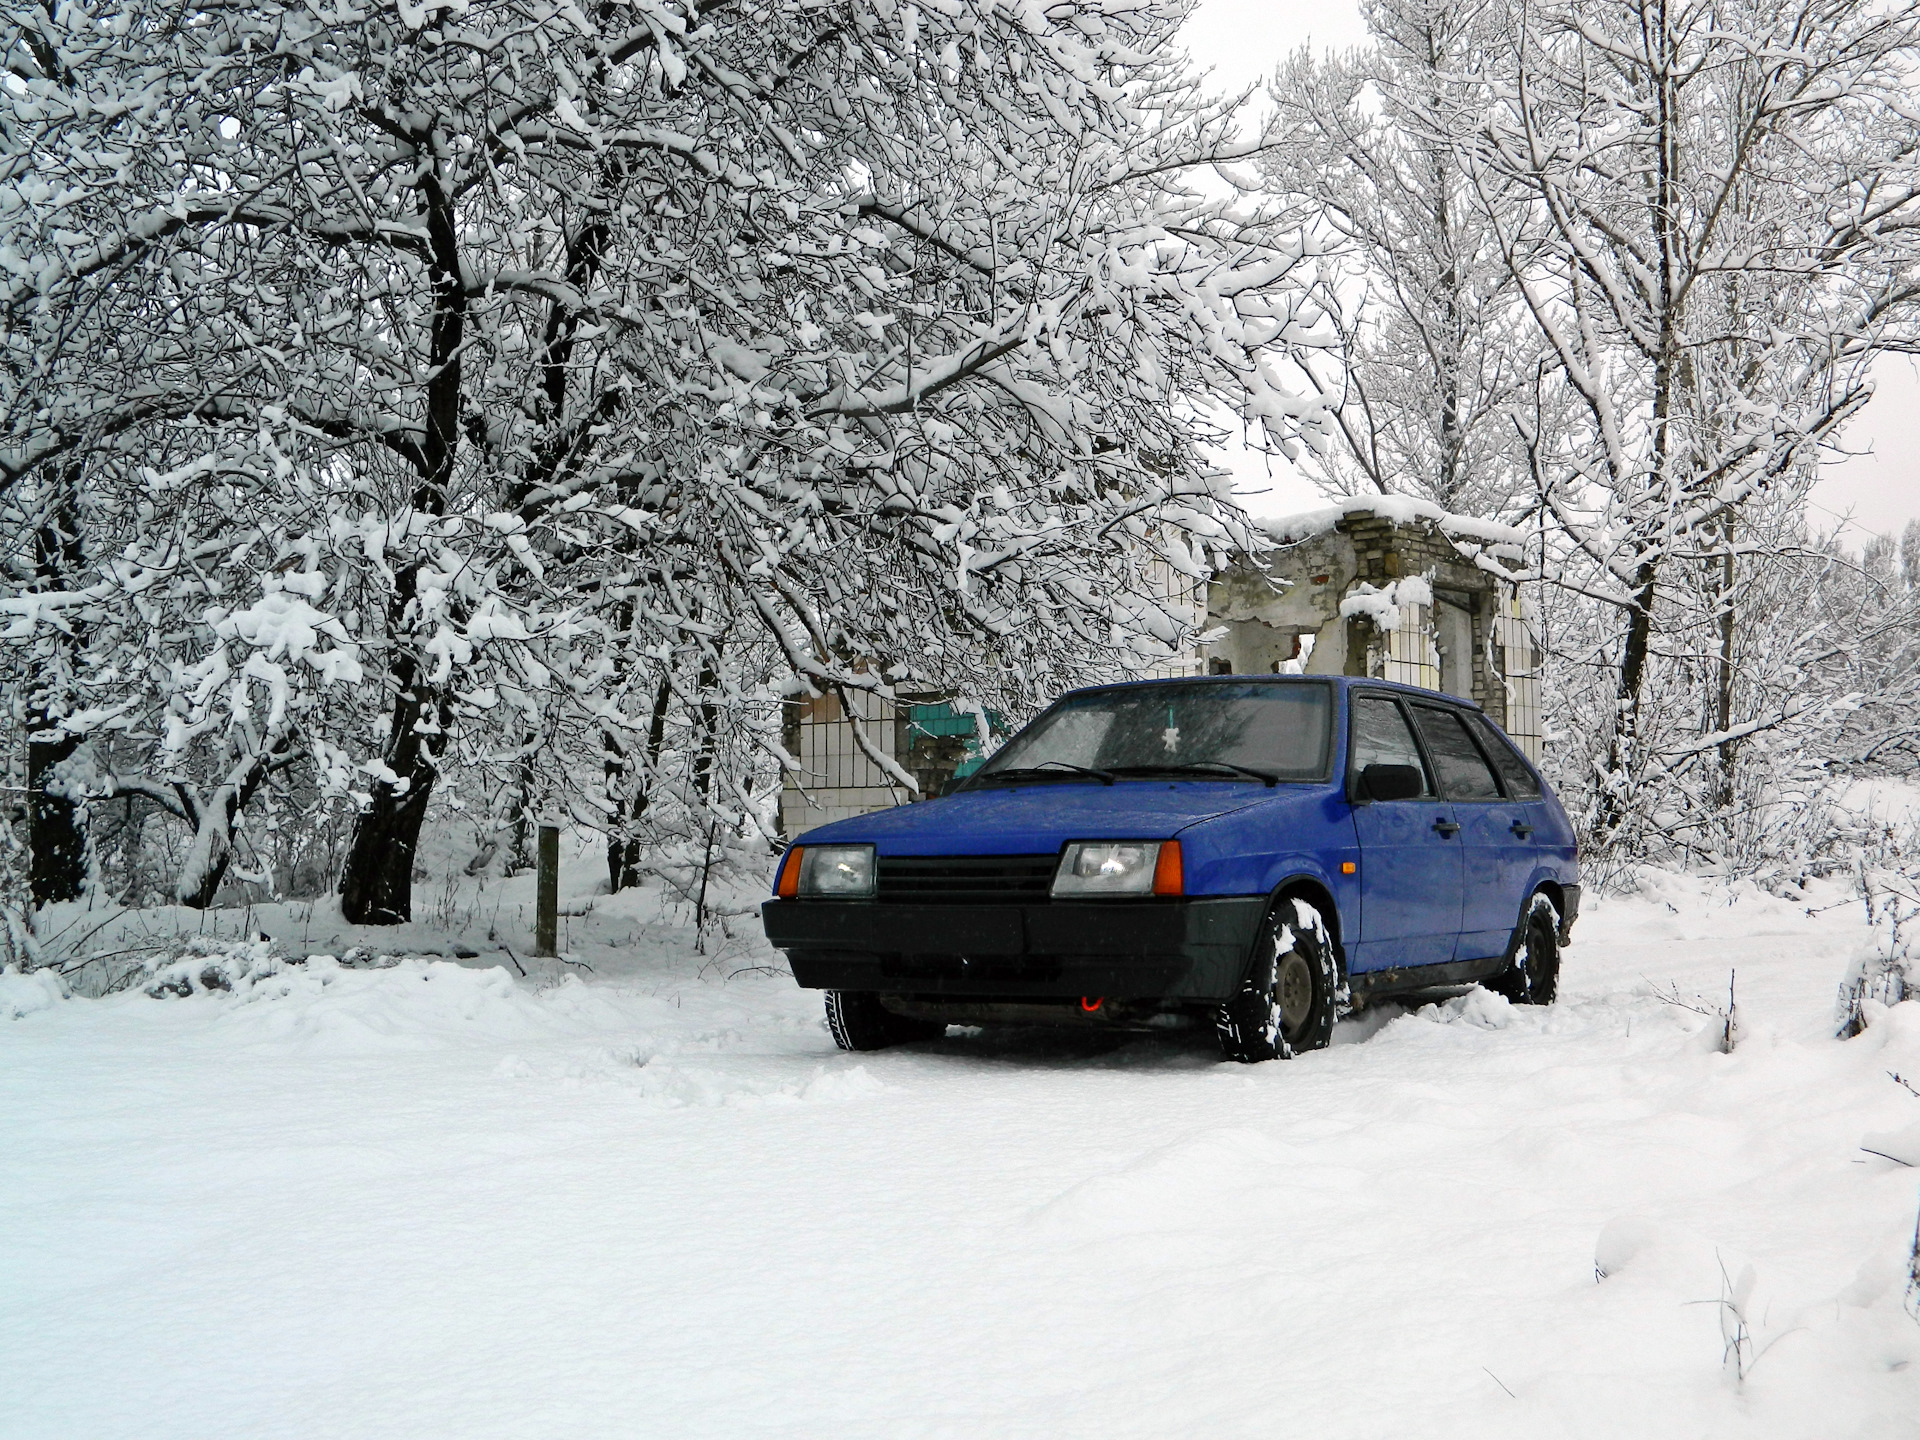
x=1381, y=737
x=1464, y=773
x=1519, y=780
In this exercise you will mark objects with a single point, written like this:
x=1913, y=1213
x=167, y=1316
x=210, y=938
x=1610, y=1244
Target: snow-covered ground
x=439, y=1199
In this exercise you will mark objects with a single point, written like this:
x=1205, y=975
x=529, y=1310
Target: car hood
x=1039, y=819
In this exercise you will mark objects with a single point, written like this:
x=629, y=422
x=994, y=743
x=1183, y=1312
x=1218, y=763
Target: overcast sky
x=1879, y=487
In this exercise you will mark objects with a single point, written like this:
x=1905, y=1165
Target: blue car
x=1258, y=853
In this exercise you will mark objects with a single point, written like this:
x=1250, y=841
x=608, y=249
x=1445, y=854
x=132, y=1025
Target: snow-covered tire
x=1291, y=995
x=858, y=1021
x=1531, y=975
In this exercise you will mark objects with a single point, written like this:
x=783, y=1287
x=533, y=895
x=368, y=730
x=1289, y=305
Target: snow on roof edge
x=1401, y=509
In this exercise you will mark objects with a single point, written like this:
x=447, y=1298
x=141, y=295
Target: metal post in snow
x=546, y=907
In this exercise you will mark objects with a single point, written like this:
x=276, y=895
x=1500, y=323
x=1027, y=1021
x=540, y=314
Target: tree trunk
x=1723, y=700
x=207, y=884
x=703, y=760
x=623, y=851
x=376, y=884
x=520, y=857
x=214, y=820
x=1623, y=756
x=58, y=846
x=623, y=872
x=1448, y=482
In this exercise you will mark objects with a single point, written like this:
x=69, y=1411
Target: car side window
x=1464, y=772
x=1519, y=780
x=1381, y=737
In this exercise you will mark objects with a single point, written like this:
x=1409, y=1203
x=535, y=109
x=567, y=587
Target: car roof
x=1344, y=681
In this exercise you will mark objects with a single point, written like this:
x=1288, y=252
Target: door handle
x=1520, y=830
x=1446, y=827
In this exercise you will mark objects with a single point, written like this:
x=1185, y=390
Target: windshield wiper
x=1266, y=777
x=1046, y=769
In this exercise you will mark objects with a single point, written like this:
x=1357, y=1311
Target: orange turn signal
x=788, y=885
x=1347, y=867
x=1169, y=875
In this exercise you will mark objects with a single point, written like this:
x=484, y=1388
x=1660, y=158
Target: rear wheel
x=1532, y=973
x=1288, y=1001
x=858, y=1021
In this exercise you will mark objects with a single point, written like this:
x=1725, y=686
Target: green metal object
x=942, y=720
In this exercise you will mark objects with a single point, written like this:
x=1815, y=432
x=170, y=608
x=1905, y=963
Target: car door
x=1496, y=864
x=1410, y=866
x=1523, y=842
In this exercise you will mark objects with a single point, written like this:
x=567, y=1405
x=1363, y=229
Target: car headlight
x=1120, y=867
x=837, y=872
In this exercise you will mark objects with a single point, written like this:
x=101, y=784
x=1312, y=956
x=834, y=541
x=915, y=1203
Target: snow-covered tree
x=448, y=383
x=1442, y=373
x=1910, y=555
x=1706, y=208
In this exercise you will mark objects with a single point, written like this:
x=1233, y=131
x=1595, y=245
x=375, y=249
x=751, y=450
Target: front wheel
x=858, y=1021
x=1532, y=973
x=1288, y=1001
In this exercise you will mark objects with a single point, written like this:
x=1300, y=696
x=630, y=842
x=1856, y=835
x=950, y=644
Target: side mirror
x=1392, y=782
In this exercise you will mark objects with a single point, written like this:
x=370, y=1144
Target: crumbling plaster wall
x=1300, y=594
x=1300, y=590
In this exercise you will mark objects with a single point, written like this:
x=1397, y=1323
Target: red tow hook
x=1090, y=1006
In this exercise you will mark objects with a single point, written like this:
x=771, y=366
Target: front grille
x=968, y=879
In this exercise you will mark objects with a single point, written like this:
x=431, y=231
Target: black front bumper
x=1181, y=950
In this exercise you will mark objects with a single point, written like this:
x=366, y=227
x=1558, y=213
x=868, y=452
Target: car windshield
x=1240, y=731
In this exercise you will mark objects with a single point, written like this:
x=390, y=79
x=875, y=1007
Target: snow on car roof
x=1371, y=681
